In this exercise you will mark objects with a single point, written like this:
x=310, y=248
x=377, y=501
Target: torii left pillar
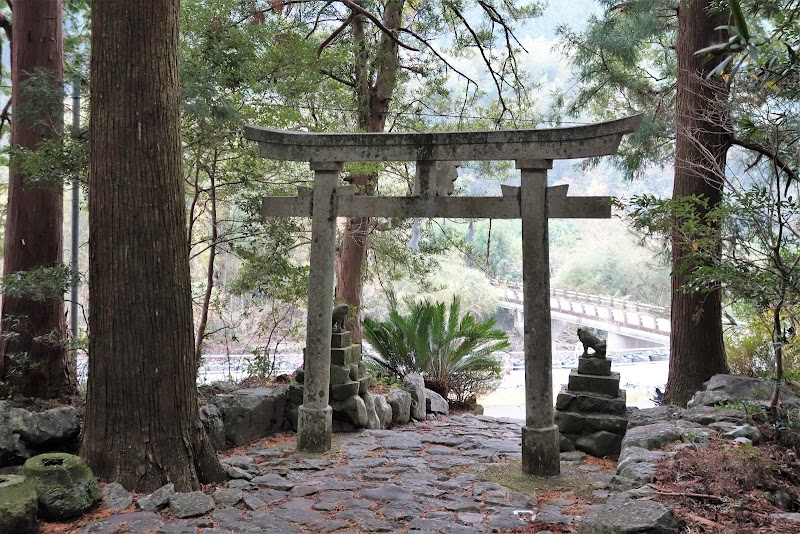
x=315, y=417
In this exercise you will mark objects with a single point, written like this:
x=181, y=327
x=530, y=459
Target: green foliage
x=451, y=350
x=750, y=349
x=38, y=284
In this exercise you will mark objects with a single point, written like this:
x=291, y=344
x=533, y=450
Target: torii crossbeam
x=533, y=202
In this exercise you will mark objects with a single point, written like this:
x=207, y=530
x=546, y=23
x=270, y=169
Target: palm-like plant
x=436, y=341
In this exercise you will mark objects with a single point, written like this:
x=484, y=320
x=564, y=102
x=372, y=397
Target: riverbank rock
x=435, y=403
x=415, y=385
x=65, y=486
x=116, y=498
x=630, y=517
x=400, y=401
x=722, y=389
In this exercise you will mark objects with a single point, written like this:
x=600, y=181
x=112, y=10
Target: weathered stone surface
x=158, y=499
x=227, y=496
x=630, y=517
x=364, y=383
x=383, y=410
x=215, y=427
x=387, y=492
x=639, y=472
x=342, y=392
x=594, y=366
x=18, y=505
x=49, y=427
x=650, y=416
x=415, y=385
x=435, y=403
x=346, y=355
x=734, y=388
x=744, y=431
x=658, y=435
x=341, y=339
x=116, y=498
x=354, y=408
x=706, y=415
x=400, y=401
x=568, y=401
x=600, y=443
x=373, y=422
x=137, y=522
x=565, y=443
x=190, y=504
x=251, y=413
x=633, y=455
x=599, y=385
x=64, y=484
x=274, y=481
x=339, y=374
x=575, y=423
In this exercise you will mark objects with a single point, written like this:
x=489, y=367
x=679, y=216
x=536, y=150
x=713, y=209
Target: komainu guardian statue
x=590, y=340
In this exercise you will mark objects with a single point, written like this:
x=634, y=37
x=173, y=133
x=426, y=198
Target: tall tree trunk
x=373, y=97
x=142, y=425
x=697, y=351
x=33, y=357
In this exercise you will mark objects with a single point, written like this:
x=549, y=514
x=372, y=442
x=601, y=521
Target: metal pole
x=73, y=264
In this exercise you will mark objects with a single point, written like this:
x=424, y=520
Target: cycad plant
x=448, y=349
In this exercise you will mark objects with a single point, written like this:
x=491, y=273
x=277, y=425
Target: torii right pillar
x=540, y=446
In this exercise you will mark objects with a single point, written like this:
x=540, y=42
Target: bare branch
x=334, y=34
x=444, y=60
x=375, y=20
x=779, y=162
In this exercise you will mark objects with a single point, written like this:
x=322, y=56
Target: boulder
x=744, y=431
x=373, y=422
x=190, y=504
x=435, y=403
x=116, y=498
x=65, y=486
x=17, y=505
x=339, y=374
x=251, y=413
x=354, y=408
x=651, y=416
x=706, y=415
x=341, y=392
x=400, y=401
x=600, y=443
x=658, y=435
x=629, y=517
x=415, y=385
x=50, y=428
x=215, y=427
x=383, y=410
x=158, y=499
x=735, y=388
x=635, y=455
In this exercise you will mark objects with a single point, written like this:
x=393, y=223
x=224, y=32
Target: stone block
x=354, y=408
x=340, y=340
x=373, y=421
x=363, y=384
x=582, y=423
x=251, y=413
x=383, y=410
x=346, y=355
x=339, y=374
x=435, y=403
x=594, y=366
x=341, y=392
x=567, y=401
x=415, y=385
x=600, y=443
x=599, y=385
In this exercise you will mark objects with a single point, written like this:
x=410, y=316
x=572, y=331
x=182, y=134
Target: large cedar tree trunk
x=697, y=351
x=142, y=425
x=33, y=358
x=373, y=94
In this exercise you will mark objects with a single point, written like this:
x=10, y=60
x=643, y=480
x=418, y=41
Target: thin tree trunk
x=212, y=256
x=33, y=357
x=373, y=99
x=697, y=351
x=142, y=426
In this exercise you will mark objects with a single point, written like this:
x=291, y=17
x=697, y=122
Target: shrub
x=452, y=352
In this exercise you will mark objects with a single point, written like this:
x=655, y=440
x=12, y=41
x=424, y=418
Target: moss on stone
x=17, y=505
x=64, y=484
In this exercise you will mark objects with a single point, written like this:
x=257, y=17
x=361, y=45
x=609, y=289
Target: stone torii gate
x=533, y=202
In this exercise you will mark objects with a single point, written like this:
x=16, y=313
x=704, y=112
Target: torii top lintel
x=592, y=140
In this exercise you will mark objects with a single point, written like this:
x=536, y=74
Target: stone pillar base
x=540, y=451
x=314, y=427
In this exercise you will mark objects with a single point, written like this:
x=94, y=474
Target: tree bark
x=697, y=351
x=373, y=97
x=33, y=357
x=142, y=426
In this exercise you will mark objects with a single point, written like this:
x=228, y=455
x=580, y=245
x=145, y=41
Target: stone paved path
x=437, y=476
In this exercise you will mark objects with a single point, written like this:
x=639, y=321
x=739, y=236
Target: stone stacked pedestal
x=349, y=395
x=590, y=410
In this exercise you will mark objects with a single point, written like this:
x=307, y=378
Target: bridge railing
x=613, y=310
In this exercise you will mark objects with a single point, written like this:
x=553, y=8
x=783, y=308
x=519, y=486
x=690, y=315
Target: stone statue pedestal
x=590, y=410
x=348, y=395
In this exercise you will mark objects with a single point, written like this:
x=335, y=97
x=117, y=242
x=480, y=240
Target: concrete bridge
x=630, y=325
